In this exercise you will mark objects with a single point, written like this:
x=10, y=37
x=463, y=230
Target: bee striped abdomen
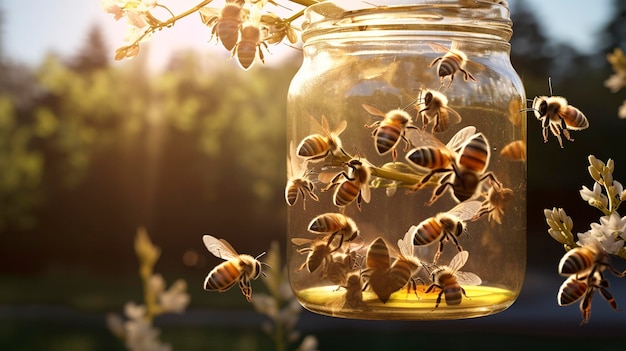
x=571, y=291
x=427, y=232
x=431, y=158
x=386, y=139
x=346, y=193
x=222, y=277
x=576, y=261
x=475, y=154
x=313, y=146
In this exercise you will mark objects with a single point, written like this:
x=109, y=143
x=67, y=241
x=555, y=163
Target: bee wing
x=458, y=260
x=219, y=247
x=297, y=166
x=377, y=256
x=301, y=241
x=340, y=127
x=467, y=278
x=453, y=116
x=327, y=176
x=366, y=192
x=405, y=245
x=466, y=210
x=438, y=47
x=420, y=138
x=373, y=110
x=460, y=137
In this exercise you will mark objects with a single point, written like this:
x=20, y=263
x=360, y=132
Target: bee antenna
x=550, y=84
x=260, y=255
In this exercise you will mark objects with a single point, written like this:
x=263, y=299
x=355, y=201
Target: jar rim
x=483, y=17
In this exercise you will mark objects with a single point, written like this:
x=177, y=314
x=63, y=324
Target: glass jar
x=406, y=162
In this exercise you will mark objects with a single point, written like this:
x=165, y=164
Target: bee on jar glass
x=388, y=132
x=334, y=224
x=467, y=173
x=236, y=269
x=384, y=277
x=448, y=280
x=450, y=63
x=433, y=108
x=587, y=258
x=298, y=182
x=340, y=265
x=353, y=298
x=494, y=203
x=430, y=153
x=443, y=227
x=558, y=116
x=575, y=288
x=318, y=253
x=316, y=147
x=351, y=185
x=226, y=22
x=249, y=45
x=515, y=150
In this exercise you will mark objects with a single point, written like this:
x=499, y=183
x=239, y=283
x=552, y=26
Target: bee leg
x=609, y=298
x=439, y=251
x=394, y=154
x=467, y=75
x=566, y=135
x=435, y=61
x=585, y=306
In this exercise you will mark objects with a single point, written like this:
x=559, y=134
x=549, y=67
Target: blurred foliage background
x=90, y=151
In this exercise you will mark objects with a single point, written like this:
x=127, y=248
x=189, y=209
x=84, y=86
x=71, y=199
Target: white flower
x=609, y=233
x=175, y=299
x=622, y=110
x=595, y=198
x=142, y=336
x=134, y=311
x=615, y=82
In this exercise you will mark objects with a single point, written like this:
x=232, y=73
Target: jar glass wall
x=406, y=163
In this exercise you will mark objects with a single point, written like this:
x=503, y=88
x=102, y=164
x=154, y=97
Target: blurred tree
x=94, y=54
x=615, y=30
x=529, y=45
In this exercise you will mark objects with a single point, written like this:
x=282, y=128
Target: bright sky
x=32, y=28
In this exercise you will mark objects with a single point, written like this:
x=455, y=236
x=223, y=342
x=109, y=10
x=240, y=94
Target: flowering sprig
x=281, y=306
x=588, y=256
x=137, y=330
x=243, y=26
x=617, y=81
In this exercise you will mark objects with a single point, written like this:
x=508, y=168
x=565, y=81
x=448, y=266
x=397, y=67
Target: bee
x=334, y=224
x=318, y=253
x=236, y=269
x=433, y=108
x=445, y=226
x=558, y=116
x=298, y=182
x=449, y=279
x=353, y=297
x=494, y=203
x=384, y=277
x=340, y=265
x=226, y=22
x=575, y=288
x=351, y=185
x=390, y=130
x=467, y=172
x=451, y=62
x=316, y=147
x=588, y=258
x=515, y=150
x=249, y=45
x=432, y=154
